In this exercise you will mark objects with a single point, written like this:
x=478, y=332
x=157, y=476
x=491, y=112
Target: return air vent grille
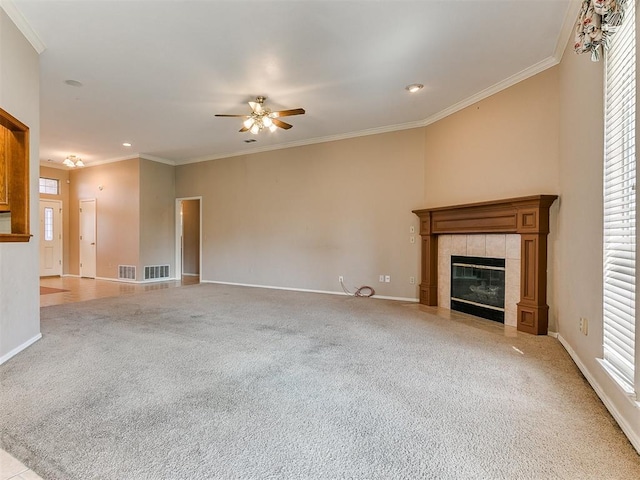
x=156, y=271
x=127, y=272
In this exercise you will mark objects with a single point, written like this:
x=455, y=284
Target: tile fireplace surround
x=527, y=217
x=503, y=246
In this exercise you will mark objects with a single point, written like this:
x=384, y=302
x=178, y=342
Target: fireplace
x=527, y=217
x=478, y=286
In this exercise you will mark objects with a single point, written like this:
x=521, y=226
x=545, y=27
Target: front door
x=50, y=238
x=88, y=238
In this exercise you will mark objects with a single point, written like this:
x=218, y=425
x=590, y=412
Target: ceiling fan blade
x=240, y=116
x=256, y=107
x=288, y=113
x=243, y=129
x=281, y=124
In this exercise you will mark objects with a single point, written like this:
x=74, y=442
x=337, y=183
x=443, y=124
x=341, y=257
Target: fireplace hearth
x=478, y=286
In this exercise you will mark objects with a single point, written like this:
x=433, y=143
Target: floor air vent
x=156, y=271
x=127, y=272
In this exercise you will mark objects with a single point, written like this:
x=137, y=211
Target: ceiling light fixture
x=414, y=87
x=72, y=161
x=126, y=144
x=260, y=118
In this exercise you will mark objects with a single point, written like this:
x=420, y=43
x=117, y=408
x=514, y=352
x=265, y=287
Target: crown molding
x=302, y=143
x=135, y=156
x=568, y=27
x=16, y=16
x=58, y=166
x=568, y=24
x=571, y=13
x=493, y=89
x=153, y=158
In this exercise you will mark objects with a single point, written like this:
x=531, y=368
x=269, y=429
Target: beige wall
x=543, y=135
x=501, y=147
x=19, y=262
x=300, y=217
x=191, y=237
x=157, y=215
x=579, y=265
x=117, y=214
x=63, y=178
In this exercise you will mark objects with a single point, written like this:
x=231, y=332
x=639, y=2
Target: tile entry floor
x=79, y=290
x=82, y=289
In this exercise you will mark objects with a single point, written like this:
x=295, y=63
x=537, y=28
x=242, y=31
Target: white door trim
x=178, y=250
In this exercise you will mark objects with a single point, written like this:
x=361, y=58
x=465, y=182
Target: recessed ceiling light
x=414, y=87
x=73, y=83
x=126, y=144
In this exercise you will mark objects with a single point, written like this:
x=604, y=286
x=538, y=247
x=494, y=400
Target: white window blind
x=620, y=203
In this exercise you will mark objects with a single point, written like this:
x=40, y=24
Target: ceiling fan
x=262, y=117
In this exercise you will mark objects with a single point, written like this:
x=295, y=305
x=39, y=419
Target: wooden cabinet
x=14, y=177
x=4, y=174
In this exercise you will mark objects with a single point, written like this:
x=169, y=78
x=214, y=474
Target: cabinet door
x=4, y=174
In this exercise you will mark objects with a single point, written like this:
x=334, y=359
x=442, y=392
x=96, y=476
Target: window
x=48, y=224
x=619, y=295
x=49, y=186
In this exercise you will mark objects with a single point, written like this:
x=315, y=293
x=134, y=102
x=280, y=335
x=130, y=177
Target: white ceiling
x=154, y=73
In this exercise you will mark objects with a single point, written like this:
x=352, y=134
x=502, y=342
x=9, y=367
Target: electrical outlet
x=412, y=280
x=381, y=279
x=341, y=279
x=584, y=325
x=387, y=278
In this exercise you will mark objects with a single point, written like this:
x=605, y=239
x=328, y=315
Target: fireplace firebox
x=477, y=286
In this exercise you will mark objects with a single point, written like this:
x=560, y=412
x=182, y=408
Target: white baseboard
x=306, y=290
x=120, y=280
x=19, y=348
x=624, y=425
x=126, y=280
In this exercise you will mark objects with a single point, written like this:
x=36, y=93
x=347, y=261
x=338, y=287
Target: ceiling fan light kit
x=262, y=117
x=414, y=87
x=71, y=161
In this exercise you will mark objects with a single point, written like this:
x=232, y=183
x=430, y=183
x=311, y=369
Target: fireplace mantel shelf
x=527, y=216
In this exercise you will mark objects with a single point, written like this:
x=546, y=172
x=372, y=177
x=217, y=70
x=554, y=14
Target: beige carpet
x=213, y=381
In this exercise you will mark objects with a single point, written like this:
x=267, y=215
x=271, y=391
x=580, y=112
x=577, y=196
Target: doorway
x=50, y=238
x=88, y=238
x=188, y=239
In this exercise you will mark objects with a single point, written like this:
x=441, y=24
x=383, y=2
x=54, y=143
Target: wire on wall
x=363, y=291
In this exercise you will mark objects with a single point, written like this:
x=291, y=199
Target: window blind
x=620, y=202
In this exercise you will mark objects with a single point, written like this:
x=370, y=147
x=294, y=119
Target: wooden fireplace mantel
x=527, y=216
